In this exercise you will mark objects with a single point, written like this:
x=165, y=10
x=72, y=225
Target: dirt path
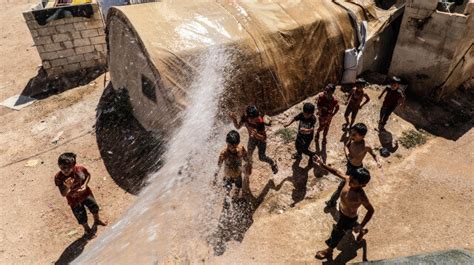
x=37, y=226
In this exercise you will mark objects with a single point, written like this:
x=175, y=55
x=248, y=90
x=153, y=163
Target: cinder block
x=76, y=35
x=72, y=67
x=81, y=42
x=34, y=33
x=56, y=22
x=40, y=48
x=75, y=58
x=59, y=62
x=46, y=64
x=60, y=37
x=28, y=16
x=84, y=49
x=52, y=47
x=88, y=64
x=55, y=71
x=100, y=48
x=88, y=33
x=32, y=24
x=47, y=31
x=65, y=28
x=66, y=53
x=68, y=44
x=80, y=26
x=47, y=56
x=91, y=56
x=98, y=40
x=43, y=40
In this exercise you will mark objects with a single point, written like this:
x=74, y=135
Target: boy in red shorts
x=72, y=181
x=328, y=106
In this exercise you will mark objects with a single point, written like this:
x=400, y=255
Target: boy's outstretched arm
x=383, y=92
x=336, y=109
x=288, y=124
x=237, y=124
x=374, y=156
x=331, y=170
x=248, y=162
x=368, y=215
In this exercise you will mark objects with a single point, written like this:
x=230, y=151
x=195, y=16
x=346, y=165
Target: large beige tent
x=282, y=51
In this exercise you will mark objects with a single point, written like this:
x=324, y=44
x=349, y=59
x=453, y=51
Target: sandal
x=323, y=254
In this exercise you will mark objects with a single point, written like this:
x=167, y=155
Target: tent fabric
x=283, y=50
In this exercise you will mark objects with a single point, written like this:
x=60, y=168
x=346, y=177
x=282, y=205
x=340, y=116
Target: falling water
x=177, y=211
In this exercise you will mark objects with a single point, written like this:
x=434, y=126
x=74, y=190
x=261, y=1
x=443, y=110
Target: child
x=328, y=106
x=307, y=120
x=72, y=181
x=355, y=151
x=232, y=157
x=257, y=136
x=354, y=101
x=352, y=197
x=394, y=97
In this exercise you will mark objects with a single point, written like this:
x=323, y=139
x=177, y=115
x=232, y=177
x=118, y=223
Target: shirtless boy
x=257, y=136
x=355, y=151
x=352, y=197
x=394, y=98
x=354, y=103
x=72, y=181
x=328, y=106
x=307, y=120
x=232, y=157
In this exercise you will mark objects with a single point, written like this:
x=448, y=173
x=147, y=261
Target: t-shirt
x=305, y=123
x=325, y=105
x=78, y=178
x=392, y=98
x=259, y=127
x=233, y=161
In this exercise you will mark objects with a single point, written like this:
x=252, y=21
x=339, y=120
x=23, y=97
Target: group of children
x=72, y=180
x=350, y=190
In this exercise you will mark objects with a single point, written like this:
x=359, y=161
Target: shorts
x=325, y=121
x=229, y=181
x=351, y=168
x=79, y=210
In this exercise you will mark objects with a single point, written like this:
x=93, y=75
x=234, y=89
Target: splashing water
x=177, y=210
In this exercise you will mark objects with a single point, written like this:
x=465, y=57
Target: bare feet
x=100, y=222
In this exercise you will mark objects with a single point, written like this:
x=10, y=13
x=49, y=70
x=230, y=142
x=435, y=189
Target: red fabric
x=259, y=126
x=325, y=105
x=78, y=178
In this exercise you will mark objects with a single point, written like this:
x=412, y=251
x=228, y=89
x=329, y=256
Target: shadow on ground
x=451, y=118
x=129, y=151
x=41, y=86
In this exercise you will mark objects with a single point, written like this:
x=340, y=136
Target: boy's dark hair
x=362, y=175
x=308, y=107
x=67, y=159
x=360, y=128
x=233, y=137
x=252, y=111
x=331, y=87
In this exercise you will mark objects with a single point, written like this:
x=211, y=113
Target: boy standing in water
x=328, y=106
x=394, y=98
x=354, y=102
x=352, y=197
x=355, y=151
x=232, y=157
x=257, y=136
x=307, y=120
x=72, y=181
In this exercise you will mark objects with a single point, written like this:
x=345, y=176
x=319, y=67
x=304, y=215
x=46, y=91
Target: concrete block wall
x=433, y=49
x=69, y=44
